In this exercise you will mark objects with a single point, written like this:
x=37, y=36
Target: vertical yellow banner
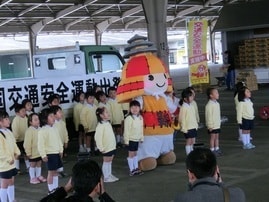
x=198, y=68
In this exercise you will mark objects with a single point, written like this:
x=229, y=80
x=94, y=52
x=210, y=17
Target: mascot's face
x=155, y=83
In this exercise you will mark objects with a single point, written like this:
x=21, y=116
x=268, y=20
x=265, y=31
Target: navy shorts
x=116, y=125
x=21, y=148
x=111, y=153
x=214, y=131
x=133, y=146
x=90, y=134
x=35, y=159
x=54, y=161
x=192, y=133
x=247, y=124
x=8, y=174
x=80, y=128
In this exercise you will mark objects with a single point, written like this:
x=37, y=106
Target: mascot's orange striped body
x=146, y=79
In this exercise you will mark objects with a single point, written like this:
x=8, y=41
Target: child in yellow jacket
x=50, y=147
x=8, y=153
x=30, y=146
x=106, y=143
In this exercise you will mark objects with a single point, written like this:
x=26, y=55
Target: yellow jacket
x=30, y=142
x=49, y=141
x=116, y=111
x=104, y=137
x=61, y=127
x=19, y=126
x=194, y=104
x=88, y=117
x=187, y=117
x=133, y=129
x=245, y=110
x=76, y=114
x=212, y=115
x=8, y=150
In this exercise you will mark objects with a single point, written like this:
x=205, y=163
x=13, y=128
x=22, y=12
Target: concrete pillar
x=98, y=37
x=32, y=48
x=155, y=14
x=212, y=44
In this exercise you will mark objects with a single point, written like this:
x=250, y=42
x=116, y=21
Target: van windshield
x=106, y=62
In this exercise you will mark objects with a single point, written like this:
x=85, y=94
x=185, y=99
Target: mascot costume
x=145, y=79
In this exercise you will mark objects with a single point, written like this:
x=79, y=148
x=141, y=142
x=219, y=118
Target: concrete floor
x=248, y=169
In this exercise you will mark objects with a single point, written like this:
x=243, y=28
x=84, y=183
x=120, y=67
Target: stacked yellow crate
x=253, y=53
x=249, y=78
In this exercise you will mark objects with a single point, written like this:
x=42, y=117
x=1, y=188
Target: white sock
x=109, y=168
x=27, y=163
x=118, y=138
x=247, y=138
x=135, y=162
x=11, y=193
x=130, y=163
x=38, y=171
x=32, y=172
x=60, y=169
x=3, y=195
x=50, y=187
x=244, y=139
x=17, y=164
x=84, y=145
x=55, y=182
x=188, y=149
x=81, y=146
x=105, y=169
x=88, y=149
x=216, y=148
x=212, y=149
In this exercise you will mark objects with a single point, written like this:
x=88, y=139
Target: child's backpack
x=264, y=112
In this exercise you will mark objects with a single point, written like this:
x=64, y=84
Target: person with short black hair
x=205, y=183
x=9, y=151
x=87, y=183
x=19, y=126
x=213, y=120
x=88, y=120
x=50, y=147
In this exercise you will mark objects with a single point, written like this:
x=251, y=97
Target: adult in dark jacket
x=205, y=183
x=86, y=182
x=229, y=63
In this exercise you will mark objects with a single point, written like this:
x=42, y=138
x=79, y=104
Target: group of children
x=36, y=137
x=102, y=124
x=99, y=120
x=189, y=117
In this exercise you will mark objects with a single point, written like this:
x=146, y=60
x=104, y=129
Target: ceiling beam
x=4, y=2
x=102, y=26
x=189, y=10
x=37, y=27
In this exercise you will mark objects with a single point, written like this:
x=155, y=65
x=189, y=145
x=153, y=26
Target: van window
x=106, y=62
x=15, y=66
x=57, y=63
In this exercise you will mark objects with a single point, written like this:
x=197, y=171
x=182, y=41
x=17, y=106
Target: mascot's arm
x=172, y=107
